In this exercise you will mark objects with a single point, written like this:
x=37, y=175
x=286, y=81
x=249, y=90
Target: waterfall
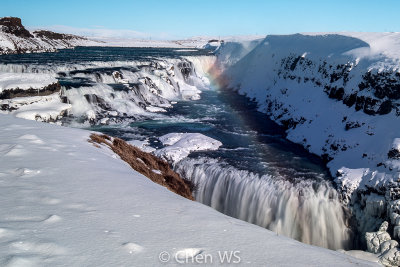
x=308, y=211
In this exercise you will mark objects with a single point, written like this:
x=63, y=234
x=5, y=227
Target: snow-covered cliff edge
x=338, y=96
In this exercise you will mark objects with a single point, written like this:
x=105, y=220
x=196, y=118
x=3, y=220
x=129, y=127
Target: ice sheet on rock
x=41, y=108
x=180, y=145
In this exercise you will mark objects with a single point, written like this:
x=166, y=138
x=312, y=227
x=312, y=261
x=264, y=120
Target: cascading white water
x=306, y=211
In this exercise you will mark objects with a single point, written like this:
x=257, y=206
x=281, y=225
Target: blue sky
x=185, y=18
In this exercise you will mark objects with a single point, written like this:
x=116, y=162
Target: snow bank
x=180, y=145
x=25, y=81
x=65, y=202
x=40, y=108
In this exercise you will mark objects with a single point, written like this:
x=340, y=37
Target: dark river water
x=256, y=175
x=251, y=141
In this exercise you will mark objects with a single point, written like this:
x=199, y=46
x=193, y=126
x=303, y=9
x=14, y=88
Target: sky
x=174, y=19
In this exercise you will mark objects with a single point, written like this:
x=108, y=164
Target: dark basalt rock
x=64, y=99
x=394, y=154
x=7, y=107
x=383, y=84
x=350, y=100
x=47, y=90
x=14, y=26
x=296, y=60
x=352, y=125
x=55, y=36
x=98, y=101
x=336, y=93
x=326, y=158
x=370, y=105
x=359, y=102
x=385, y=108
x=367, y=104
x=186, y=69
x=291, y=123
x=288, y=124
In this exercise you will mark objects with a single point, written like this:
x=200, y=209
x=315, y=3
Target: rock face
x=341, y=105
x=14, y=26
x=44, y=91
x=15, y=39
x=54, y=36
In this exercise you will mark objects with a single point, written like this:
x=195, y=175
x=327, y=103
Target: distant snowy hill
x=15, y=39
x=207, y=42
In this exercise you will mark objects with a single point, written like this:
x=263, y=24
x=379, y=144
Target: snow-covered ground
x=40, y=108
x=211, y=42
x=25, y=81
x=65, y=202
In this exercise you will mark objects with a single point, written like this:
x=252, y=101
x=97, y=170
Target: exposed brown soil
x=145, y=163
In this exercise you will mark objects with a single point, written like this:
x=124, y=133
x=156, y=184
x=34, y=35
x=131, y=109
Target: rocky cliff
x=16, y=39
x=338, y=96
